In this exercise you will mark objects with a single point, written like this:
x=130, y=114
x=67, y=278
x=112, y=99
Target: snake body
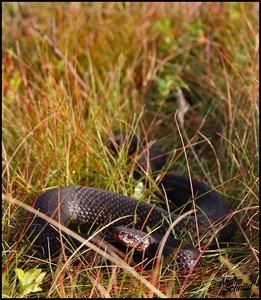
x=93, y=206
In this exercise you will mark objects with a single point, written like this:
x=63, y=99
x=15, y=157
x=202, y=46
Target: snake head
x=133, y=238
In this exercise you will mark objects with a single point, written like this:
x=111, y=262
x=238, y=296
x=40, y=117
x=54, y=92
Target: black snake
x=213, y=221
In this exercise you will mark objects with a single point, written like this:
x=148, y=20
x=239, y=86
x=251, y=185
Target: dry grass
x=132, y=58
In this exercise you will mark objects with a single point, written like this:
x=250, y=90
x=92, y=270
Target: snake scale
x=92, y=206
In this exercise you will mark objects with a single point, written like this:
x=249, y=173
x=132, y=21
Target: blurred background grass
x=134, y=58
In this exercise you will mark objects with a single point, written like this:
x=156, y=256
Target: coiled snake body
x=82, y=204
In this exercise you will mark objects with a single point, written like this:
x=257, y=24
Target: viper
x=136, y=223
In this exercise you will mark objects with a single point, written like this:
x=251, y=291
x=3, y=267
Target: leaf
x=138, y=191
x=40, y=278
x=31, y=274
x=30, y=280
x=21, y=276
x=60, y=65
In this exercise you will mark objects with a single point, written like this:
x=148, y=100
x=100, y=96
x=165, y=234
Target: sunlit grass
x=133, y=57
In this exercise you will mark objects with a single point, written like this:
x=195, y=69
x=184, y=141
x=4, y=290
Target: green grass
x=133, y=57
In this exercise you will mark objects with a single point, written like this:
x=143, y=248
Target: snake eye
x=130, y=236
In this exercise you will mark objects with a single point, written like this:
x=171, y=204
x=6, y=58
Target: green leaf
x=138, y=190
x=40, y=278
x=30, y=280
x=60, y=65
x=21, y=276
x=31, y=274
